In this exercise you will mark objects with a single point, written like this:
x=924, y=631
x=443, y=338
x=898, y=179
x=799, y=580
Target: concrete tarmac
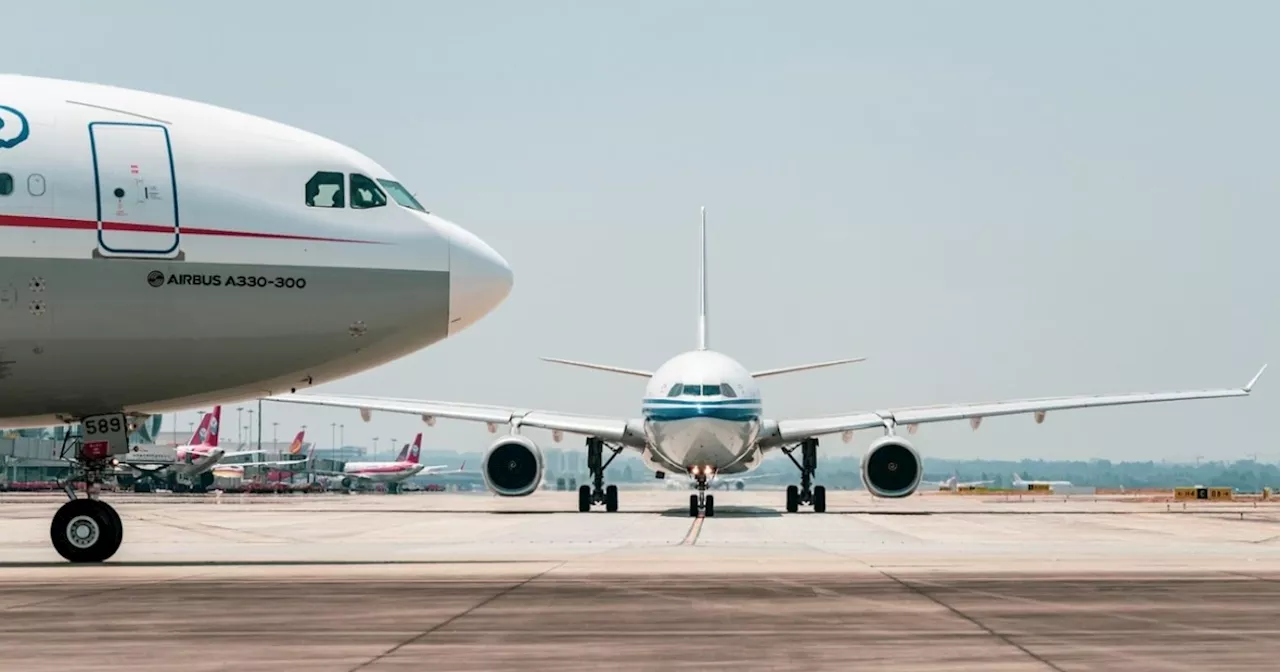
x=475, y=582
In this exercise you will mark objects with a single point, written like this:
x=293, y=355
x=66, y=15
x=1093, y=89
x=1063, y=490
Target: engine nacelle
x=891, y=468
x=512, y=467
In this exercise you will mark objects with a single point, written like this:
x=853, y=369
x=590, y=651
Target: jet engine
x=891, y=468
x=512, y=467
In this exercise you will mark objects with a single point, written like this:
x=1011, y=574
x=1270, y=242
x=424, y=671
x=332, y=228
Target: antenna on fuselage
x=702, y=287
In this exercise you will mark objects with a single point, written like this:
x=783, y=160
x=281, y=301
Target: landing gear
x=597, y=493
x=86, y=529
x=701, y=501
x=806, y=493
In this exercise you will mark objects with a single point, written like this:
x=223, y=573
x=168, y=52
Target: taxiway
x=475, y=582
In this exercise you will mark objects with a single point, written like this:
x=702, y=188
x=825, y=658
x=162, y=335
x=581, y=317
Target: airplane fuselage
x=383, y=472
x=702, y=410
x=158, y=253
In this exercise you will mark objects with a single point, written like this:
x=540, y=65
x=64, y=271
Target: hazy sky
x=989, y=200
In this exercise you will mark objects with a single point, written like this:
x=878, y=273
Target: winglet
x=1256, y=376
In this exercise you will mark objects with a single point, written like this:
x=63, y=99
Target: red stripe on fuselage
x=29, y=222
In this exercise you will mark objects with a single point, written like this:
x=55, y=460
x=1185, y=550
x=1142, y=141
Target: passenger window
x=324, y=190
x=676, y=390
x=727, y=390
x=6, y=184
x=365, y=193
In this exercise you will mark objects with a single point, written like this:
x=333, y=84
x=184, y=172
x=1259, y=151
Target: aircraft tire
x=711, y=506
x=611, y=498
x=86, y=530
x=793, y=499
x=584, y=498
x=819, y=499
x=693, y=506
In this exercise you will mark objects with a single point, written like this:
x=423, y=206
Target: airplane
x=118, y=205
x=1020, y=484
x=701, y=414
x=953, y=483
x=191, y=465
x=236, y=469
x=365, y=474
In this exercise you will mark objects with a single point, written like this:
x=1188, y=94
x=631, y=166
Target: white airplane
x=701, y=415
x=1020, y=484
x=954, y=483
x=119, y=205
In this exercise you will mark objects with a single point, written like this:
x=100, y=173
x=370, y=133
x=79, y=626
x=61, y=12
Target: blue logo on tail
x=14, y=129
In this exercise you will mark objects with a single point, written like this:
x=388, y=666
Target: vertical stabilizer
x=702, y=287
x=416, y=450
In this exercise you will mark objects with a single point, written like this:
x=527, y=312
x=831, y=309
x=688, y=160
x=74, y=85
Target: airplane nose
x=479, y=280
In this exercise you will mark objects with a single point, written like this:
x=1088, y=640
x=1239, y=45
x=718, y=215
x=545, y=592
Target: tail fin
x=601, y=367
x=805, y=367
x=703, y=342
x=404, y=453
x=207, y=433
x=296, y=446
x=416, y=450
x=201, y=431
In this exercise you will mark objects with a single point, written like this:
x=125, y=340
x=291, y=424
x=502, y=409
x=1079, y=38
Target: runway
x=474, y=582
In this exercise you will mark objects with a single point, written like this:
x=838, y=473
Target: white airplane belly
x=702, y=441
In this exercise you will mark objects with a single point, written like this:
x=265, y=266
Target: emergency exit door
x=136, y=189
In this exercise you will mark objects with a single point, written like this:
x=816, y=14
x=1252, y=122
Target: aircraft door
x=136, y=188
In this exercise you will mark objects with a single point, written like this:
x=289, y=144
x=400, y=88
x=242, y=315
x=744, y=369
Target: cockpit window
x=727, y=390
x=676, y=390
x=6, y=184
x=324, y=190
x=365, y=193
x=401, y=195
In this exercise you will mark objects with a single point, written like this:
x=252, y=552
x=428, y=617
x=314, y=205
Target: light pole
x=342, y=438
x=375, y=449
x=393, y=446
x=250, y=428
x=240, y=423
x=275, y=435
x=333, y=437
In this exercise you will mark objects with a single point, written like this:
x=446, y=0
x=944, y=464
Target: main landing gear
x=597, y=493
x=86, y=529
x=807, y=493
x=702, y=501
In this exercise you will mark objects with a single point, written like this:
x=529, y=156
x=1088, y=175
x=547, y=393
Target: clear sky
x=989, y=200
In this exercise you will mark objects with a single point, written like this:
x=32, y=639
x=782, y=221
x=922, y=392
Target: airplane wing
x=609, y=429
x=789, y=431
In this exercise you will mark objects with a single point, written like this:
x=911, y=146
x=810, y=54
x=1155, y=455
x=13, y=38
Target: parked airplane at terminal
x=702, y=415
x=192, y=465
x=117, y=206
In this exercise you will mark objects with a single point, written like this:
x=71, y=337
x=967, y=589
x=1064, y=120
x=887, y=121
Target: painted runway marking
x=694, y=530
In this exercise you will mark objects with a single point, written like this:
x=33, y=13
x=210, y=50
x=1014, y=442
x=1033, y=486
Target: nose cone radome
x=479, y=280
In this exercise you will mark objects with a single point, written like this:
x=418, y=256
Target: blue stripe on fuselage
x=665, y=409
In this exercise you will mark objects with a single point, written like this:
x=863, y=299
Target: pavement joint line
x=489, y=600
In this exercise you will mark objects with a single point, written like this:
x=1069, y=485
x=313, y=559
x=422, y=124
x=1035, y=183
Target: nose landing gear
x=597, y=493
x=702, y=501
x=806, y=493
